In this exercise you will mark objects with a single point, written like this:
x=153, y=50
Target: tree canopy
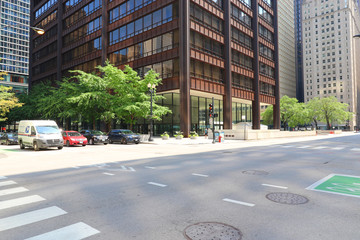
x=293, y=113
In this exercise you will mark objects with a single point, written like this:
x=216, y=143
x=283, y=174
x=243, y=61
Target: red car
x=73, y=138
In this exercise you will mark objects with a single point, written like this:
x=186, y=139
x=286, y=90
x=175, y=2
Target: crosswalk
x=74, y=231
x=307, y=147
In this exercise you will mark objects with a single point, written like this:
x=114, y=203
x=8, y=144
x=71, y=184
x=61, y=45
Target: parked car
x=123, y=136
x=39, y=134
x=74, y=138
x=95, y=136
x=8, y=138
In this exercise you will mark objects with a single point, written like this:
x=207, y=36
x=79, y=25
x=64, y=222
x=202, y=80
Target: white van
x=39, y=134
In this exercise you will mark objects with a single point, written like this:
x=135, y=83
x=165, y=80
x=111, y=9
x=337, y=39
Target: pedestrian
x=206, y=133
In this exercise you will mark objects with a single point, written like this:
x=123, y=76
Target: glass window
x=138, y=26
x=130, y=29
x=167, y=13
x=157, y=44
x=147, y=47
x=157, y=17
x=130, y=5
x=167, y=40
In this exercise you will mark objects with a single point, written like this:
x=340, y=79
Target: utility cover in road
x=338, y=184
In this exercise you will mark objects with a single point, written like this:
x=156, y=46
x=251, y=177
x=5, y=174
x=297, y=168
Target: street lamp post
x=151, y=88
x=39, y=31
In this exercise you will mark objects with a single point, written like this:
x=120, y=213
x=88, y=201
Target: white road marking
x=12, y=191
x=337, y=148
x=20, y=201
x=355, y=149
x=304, y=147
x=109, y=174
x=123, y=167
x=2, y=177
x=275, y=186
x=76, y=167
x=200, y=175
x=7, y=183
x=157, y=184
x=132, y=169
x=238, y=202
x=320, y=147
x=75, y=231
x=286, y=146
x=30, y=217
x=150, y=167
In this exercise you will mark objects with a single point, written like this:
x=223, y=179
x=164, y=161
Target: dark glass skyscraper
x=299, y=53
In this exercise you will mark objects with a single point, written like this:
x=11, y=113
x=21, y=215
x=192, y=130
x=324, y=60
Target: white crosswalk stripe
x=355, y=149
x=12, y=191
x=337, y=148
x=74, y=232
x=7, y=183
x=30, y=217
x=2, y=177
x=20, y=201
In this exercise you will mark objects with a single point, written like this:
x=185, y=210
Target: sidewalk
x=202, y=141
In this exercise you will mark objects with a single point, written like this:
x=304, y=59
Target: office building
x=287, y=56
x=331, y=55
x=201, y=48
x=299, y=52
x=14, y=43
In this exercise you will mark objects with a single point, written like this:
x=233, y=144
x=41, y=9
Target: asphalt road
x=154, y=192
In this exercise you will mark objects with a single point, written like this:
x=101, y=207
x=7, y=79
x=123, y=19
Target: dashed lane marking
x=109, y=174
x=238, y=202
x=320, y=147
x=30, y=217
x=200, y=175
x=304, y=147
x=337, y=148
x=274, y=186
x=20, y=201
x=150, y=167
x=355, y=149
x=75, y=231
x=157, y=184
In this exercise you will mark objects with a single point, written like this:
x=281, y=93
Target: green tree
x=333, y=111
x=267, y=115
x=8, y=101
x=314, y=113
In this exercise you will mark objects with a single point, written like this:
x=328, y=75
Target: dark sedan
x=8, y=138
x=123, y=136
x=95, y=136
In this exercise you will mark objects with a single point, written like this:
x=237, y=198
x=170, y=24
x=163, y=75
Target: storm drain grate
x=287, y=198
x=255, y=172
x=212, y=231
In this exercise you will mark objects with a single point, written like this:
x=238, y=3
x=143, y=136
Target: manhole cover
x=255, y=172
x=212, y=231
x=287, y=198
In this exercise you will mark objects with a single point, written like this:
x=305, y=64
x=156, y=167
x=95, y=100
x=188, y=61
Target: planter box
x=193, y=137
x=165, y=137
x=179, y=137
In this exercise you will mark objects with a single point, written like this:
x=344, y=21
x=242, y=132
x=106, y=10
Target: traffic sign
x=346, y=185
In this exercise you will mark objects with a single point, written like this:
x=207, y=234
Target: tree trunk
x=94, y=123
x=316, y=125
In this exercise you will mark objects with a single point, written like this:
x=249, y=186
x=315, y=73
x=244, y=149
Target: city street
x=283, y=189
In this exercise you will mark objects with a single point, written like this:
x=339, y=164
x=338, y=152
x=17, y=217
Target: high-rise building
x=299, y=52
x=201, y=48
x=14, y=43
x=331, y=55
x=287, y=69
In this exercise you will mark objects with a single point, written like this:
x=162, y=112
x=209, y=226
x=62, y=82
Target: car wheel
x=137, y=142
x=91, y=141
x=60, y=147
x=68, y=143
x=36, y=146
x=123, y=141
x=84, y=145
x=110, y=141
x=22, y=146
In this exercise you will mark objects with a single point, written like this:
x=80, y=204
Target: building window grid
x=115, y=13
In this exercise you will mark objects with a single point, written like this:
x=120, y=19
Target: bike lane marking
x=346, y=185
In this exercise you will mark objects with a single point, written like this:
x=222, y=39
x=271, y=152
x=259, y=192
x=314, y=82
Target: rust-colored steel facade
x=227, y=48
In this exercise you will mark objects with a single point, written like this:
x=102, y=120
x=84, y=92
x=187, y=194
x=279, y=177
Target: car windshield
x=127, y=132
x=47, y=129
x=12, y=134
x=97, y=133
x=74, y=134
